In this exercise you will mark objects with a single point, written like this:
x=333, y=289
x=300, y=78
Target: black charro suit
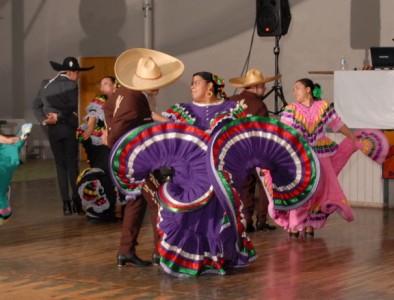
x=61, y=97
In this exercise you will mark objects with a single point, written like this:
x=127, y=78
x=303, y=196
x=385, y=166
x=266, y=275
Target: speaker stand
x=277, y=87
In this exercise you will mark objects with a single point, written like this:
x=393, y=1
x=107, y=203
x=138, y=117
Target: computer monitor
x=382, y=57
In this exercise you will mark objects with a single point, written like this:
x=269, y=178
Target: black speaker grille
x=272, y=17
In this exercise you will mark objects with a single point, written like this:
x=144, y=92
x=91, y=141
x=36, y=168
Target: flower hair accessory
x=317, y=92
x=220, y=85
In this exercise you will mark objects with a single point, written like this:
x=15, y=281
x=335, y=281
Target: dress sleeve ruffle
x=178, y=113
x=94, y=109
x=220, y=120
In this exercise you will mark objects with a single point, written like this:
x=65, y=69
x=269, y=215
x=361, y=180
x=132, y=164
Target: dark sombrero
x=69, y=64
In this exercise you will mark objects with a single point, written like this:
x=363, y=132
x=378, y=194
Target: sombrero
x=253, y=77
x=69, y=64
x=145, y=69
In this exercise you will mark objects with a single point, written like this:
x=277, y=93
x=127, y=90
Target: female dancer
x=211, y=146
x=310, y=117
x=9, y=161
x=95, y=188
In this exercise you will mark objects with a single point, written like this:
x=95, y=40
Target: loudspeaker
x=272, y=17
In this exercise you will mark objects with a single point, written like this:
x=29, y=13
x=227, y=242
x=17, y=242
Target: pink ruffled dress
x=311, y=122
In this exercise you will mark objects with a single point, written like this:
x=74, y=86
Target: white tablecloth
x=365, y=99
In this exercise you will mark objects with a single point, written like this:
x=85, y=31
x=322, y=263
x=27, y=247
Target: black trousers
x=65, y=152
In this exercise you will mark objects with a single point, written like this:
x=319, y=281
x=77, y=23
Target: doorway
x=89, y=83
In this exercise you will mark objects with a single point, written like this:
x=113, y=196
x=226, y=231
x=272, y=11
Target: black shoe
x=107, y=217
x=294, y=234
x=156, y=259
x=265, y=227
x=133, y=260
x=77, y=206
x=250, y=228
x=67, y=208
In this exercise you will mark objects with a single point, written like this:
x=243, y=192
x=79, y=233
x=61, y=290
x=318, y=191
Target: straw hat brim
x=126, y=64
x=240, y=82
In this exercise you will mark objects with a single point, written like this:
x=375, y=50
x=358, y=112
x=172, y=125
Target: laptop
x=382, y=57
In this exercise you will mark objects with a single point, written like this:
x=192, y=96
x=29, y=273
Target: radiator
x=361, y=179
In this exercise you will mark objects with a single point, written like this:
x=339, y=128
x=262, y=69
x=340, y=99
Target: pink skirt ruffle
x=328, y=198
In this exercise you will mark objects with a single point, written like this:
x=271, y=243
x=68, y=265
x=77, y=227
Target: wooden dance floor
x=45, y=255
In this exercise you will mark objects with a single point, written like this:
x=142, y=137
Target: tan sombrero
x=145, y=69
x=253, y=77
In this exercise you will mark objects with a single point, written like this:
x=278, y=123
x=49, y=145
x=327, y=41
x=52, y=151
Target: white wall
x=206, y=35
x=320, y=33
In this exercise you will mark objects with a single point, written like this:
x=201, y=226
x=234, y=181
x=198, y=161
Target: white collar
x=208, y=104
